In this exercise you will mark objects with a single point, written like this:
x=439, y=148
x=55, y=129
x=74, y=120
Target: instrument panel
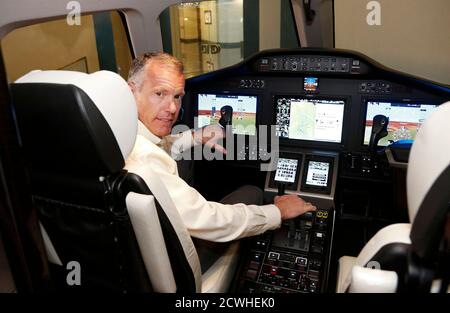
x=316, y=109
x=312, y=98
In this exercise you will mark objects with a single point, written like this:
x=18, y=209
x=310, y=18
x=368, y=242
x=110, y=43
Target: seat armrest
x=395, y=233
x=370, y=280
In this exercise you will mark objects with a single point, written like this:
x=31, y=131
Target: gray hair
x=136, y=73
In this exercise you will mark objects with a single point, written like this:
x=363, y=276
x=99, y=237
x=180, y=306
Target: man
x=157, y=82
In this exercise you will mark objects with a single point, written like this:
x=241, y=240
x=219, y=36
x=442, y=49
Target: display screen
x=310, y=84
x=317, y=173
x=244, y=111
x=309, y=119
x=405, y=119
x=286, y=170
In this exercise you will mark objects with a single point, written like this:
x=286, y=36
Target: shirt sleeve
x=214, y=221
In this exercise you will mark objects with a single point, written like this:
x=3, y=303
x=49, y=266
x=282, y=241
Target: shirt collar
x=143, y=131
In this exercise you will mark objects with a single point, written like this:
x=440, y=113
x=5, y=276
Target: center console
x=295, y=257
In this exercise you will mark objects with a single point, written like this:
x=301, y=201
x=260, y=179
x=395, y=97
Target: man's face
x=159, y=97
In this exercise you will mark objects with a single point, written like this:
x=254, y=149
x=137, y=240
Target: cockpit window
x=95, y=42
x=210, y=35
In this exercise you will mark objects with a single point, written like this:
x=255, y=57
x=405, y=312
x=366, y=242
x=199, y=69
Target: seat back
x=428, y=193
x=76, y=130
x=428, y=182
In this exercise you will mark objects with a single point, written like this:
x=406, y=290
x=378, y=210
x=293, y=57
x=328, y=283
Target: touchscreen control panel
x=286, y=170
x=310, y=175
x=287, y=173
x=317, y=173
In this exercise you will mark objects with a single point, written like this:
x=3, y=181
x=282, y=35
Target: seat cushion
x=218, y=277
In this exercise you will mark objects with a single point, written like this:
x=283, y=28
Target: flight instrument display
x=309, y=119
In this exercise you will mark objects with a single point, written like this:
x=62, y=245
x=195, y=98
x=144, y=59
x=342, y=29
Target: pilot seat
x=104, y=228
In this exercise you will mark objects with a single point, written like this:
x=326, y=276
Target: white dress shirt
x=204, y=219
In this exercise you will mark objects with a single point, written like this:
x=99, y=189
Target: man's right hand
x=291, y=206
x=211, y=136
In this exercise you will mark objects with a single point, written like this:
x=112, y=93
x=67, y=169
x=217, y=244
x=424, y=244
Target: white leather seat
x=350, y=268
x=155, y=220
x=216, y=279
x=428, y=180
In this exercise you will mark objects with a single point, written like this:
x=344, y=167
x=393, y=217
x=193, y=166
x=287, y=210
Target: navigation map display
x=309, y=119
x=244, y=111
x=405, y=119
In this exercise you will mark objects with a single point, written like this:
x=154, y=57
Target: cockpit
x=307, y=117
x=306, y=111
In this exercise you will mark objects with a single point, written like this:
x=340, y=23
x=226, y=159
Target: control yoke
x=226, y=119
x=281, y=188
x=226, y=115
x=379, y=130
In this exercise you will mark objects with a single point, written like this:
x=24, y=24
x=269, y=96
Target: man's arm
x=204, y=219
x=211, y=220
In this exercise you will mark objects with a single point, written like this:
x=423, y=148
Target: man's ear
x=180, y=114
x=132, y=86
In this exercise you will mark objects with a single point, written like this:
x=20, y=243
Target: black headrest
x=63, y=131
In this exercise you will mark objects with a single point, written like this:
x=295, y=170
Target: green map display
x=310, y=119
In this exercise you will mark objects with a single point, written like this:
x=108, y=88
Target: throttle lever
x=292, y=227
